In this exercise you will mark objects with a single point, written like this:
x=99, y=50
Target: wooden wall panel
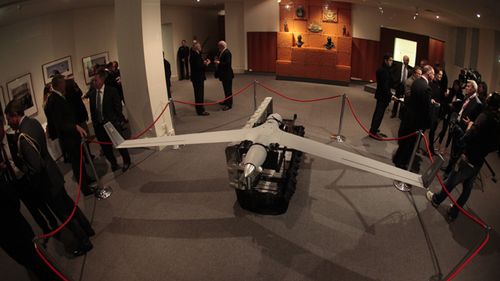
x=312, y=61
x=262, y=53
x=436, y=51
x=365, y=58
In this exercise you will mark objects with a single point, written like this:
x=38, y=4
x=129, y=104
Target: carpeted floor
x=173, y=215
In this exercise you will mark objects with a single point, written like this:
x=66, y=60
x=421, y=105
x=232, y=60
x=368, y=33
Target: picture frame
x=22, y=88
x=89, y=63
x=3, y=104
x=330, y=15
x=301, y=12
x=62, y=66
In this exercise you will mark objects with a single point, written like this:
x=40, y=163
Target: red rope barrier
x=467, y=214
x=53, y=232
x=295, y=99
x=216, y=102
x=351, y=108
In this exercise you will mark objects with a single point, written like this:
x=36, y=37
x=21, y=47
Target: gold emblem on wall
x=330, y=15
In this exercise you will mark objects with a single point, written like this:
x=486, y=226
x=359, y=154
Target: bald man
x=224, y=72
x=401, y=72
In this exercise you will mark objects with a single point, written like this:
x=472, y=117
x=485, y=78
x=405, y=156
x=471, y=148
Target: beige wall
x=28, y=44
x=235, y=34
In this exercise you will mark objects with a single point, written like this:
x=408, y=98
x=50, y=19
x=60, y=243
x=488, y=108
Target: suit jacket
x=111, y=107
x=384, y=83
x=396, y=69
x=38, y=166
x=74, y=95
x=418, y=106
x=197, y=67
x=471, y=111
x=61, y=120
x=224, y=70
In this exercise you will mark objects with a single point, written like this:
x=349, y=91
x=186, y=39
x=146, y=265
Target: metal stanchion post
x=339, y=137
x=172, y=106
x=401, y=186
x=102, y=192
x=254, y=95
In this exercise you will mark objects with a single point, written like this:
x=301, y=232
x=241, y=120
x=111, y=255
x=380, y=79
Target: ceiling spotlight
x=437, y=17
x=197, y=0
x=279, y=1
x=478, y=15
x=287, y=6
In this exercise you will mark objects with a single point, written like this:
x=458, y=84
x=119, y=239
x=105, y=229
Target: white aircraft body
x=268, y=133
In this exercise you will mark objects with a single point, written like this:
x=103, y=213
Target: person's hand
x=216, y=61
x=394, y=98
x=81, y=131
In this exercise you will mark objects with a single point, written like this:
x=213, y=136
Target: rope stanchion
x=339, y=137
x=476, y=220
x=219, y=101
x=295, y=99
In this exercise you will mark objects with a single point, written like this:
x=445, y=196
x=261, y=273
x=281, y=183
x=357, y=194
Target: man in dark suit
x=44, y=176
x=415, y=117
x=471, y=108
x=198, y=77
x=168, y=75
x=62, y=123
x=382, y=95
x=183, y=60
x=224, y=72
x=106, y=106
x=400, y=73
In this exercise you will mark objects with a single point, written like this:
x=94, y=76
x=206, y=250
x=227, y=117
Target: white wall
x=235, y=34
x=28, y=44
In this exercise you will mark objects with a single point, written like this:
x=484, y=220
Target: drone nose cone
x=248, y=170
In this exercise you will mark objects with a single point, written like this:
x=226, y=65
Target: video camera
x=469, y=74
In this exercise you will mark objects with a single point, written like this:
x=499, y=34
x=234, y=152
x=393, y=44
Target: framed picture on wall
x=3, y=103
x=330, y=15
x=22, y=89
x=90, y=62
x=61, y=66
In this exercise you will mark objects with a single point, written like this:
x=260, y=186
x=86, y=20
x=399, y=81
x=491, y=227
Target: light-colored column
x=235, y=34
x=139, y=44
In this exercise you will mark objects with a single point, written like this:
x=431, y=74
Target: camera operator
x=480, y=138
x=471, y=108
x=451, y=103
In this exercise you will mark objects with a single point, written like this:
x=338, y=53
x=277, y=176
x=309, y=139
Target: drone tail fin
x=113, y=134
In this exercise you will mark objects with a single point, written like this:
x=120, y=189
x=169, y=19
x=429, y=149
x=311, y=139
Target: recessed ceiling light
x=478, y=15
x=437, y=17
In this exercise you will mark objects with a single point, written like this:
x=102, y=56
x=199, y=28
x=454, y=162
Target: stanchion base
x=103, y=193
x=401, y=186
x=338, y=138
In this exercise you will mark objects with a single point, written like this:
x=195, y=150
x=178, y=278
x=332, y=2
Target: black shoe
x=87, y=191
x=125, y=167
x=115, y=167
x=227, y=107
x=452, y=213
x=90, y=232
x=375, y=136
x=430, y=196
x=83, y=249
x=204, y=113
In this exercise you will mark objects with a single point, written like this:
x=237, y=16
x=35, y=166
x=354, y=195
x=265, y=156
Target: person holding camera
x=106, y=106
x=481, y=137
x=470, y=110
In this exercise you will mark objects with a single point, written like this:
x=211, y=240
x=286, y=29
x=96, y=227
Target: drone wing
x=349, y=159
x=198, y=138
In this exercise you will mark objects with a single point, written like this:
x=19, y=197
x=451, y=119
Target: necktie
x=99, y=107
x=404, y=75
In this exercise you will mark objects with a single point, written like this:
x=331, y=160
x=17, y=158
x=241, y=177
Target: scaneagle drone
x=261, y=164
